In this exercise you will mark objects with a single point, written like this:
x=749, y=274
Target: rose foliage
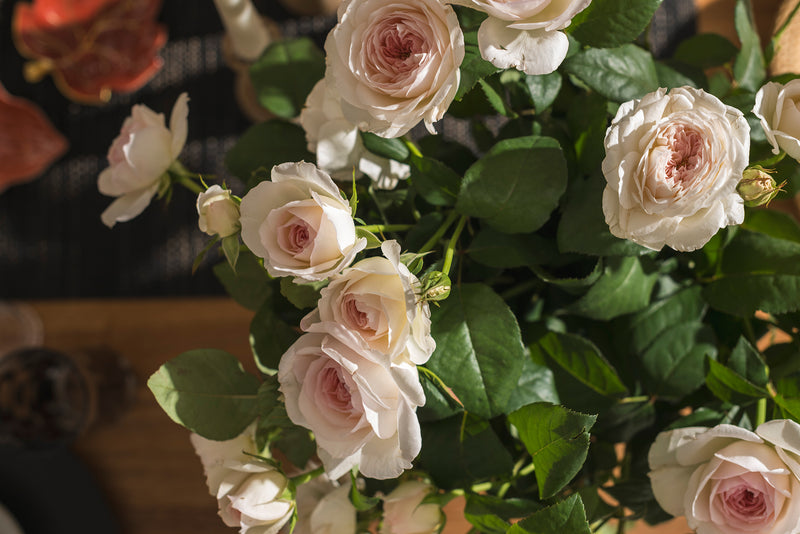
x=492, y=315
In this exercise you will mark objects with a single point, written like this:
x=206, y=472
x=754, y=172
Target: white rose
x=139, y=157
x=249, y=493
x=377, y=299
x=338, y=145
x=524, y=34
x=395, y=62
x=403, y=512
x=217, y=213
x=360, y=406
x=728, y=480
x=299, y=223
x=672, y=165
x=324, y=508
x=777, y=107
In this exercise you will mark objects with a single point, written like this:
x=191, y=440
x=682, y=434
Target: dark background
x=52, y=243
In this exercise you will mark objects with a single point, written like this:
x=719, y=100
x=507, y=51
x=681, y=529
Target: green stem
x=761, y=411
x=430, y=243
x=451, y=246
x=305, y=477
x=189, y=184
x=771, y=161
x=412, y=147
x=380, y=228
x=629, y=400
x=783, y=27
x=479, y=488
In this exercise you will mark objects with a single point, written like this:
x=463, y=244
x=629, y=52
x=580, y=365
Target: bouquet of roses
x=567, y=320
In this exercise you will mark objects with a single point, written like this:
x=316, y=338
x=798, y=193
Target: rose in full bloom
x=360, y=406
x=728, y=480
x=217, y=213
x=525, y=34
x=673, y=161
x=324, y=508
x=139, y=157
x=395, y=63
x=249, y=493
x=777, y=107
x=338, y=145
x=404, y=513
x=299, y=223
x=377, y=299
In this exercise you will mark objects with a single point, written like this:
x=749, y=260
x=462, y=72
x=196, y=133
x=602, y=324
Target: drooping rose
x=249, y=492
x=673, y=161
x=728, y=480
x=139, y=157
x=404, y=513
x=360, y=406
x=777, y=108
x=525, y=34
x=217, y=213
x=377, y=299
x=299, y=223
x=395, y=63
x=324, y=508
x=338, y=144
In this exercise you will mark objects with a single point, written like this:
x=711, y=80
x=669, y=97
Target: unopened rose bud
x=218, y=212
x=757, y=188
x=435, y=286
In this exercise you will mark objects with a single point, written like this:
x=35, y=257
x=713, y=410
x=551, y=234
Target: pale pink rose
x=395, y=63
x=777, y=107
x=139, y=157
x=325, y=508
x=217, y=213
x=249, y=493
x=525, y=34
x=673, y=161
x=299, y=223
x=404, y=513
x=377, y=299
x=338, y=145
x=728, y=480
x=360, y=406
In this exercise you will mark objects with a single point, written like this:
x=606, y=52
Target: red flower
x=28, y=142
x=91, y=47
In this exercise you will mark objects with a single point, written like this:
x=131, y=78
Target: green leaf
x=516, y=185
x=263, y=146
x=670, y=77
x=250, y=285
x=686, y=305
x=490, y=514
x=230, y=247
x=619, y=74
x=674, y=365
x=583, y=360
x=473, y=67
x=726, y=384
x=625, y=287
x=789, y=408
x=285, y=74
x=544, y=89
x=479, y=349
x=360, y=501
x=373, y=241
x=492, y=90
x=302, y=296
x=583, y=227
x=557, y=440
x=270, y=337
x=567, y=516
x=206, y=391
x=610, y=23
x=705, y=50
x=453, y=462
x=506, y=251
x=759, y=272
x=439, y=403
x=536, y=384
x=746, y=361
x=437, y=183
x=772, y=223
x=394, y=148
x=749, y=69
x=575, y=285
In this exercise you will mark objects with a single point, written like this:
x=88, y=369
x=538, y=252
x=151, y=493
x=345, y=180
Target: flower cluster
x=596, y=257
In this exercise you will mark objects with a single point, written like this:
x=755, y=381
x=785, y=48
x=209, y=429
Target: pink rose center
x=355, y=316
x=296, y=237
x=686, y=153
x=393, y=49
x=335, y=390
x=746, y=504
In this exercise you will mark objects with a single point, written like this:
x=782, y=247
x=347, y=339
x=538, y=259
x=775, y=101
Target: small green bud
x=434, y=286
x=757, y=187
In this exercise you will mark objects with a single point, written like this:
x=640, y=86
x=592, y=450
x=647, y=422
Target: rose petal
x=531, y=51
